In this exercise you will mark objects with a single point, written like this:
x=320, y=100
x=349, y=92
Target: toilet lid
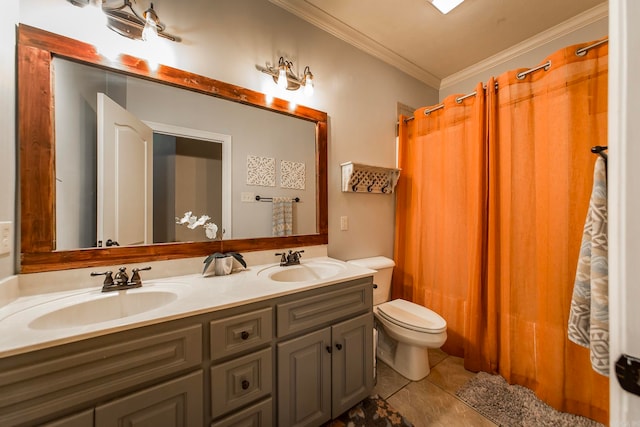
x=412, y=316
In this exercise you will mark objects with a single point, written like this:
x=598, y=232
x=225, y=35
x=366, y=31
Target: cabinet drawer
x=35, y=385
x=83, y=419
x=241, y=381
x=234, y=334
x=258, y=415
x=175, y=403
x=314, y=311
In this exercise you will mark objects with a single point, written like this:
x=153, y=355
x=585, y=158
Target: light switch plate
x=5, y=237
x=247, y=197
x=344, y=223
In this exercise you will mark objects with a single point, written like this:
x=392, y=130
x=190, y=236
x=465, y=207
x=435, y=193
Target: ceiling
x=415, y=37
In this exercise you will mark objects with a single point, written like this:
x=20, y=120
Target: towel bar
x=270, y=199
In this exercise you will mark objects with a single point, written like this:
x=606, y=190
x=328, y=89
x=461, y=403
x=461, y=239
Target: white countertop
x=196, y=295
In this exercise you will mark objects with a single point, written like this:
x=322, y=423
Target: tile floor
x=432, y=401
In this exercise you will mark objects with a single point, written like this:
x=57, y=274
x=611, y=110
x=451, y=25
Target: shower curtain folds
x=489, y=222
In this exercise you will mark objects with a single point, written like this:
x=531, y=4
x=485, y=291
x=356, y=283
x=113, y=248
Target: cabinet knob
x=244, y=335
x=245, y=384
x=339, y=346
x=328, y=349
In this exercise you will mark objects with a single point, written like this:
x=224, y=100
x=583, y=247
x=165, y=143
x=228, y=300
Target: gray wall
x=8, y=18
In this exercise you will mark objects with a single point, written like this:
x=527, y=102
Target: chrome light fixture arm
x=293, y=81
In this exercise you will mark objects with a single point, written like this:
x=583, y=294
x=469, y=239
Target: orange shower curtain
x=441, y=211
x=511, y=317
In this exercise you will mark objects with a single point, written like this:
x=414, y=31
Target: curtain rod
x=579, y=52
x=583, y=50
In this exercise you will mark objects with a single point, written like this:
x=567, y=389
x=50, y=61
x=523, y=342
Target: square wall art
x=261, y=171
x=292, y=175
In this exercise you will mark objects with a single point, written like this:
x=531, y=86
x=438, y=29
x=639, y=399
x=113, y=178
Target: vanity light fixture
x=124, y=20
x=445, y=6
x=285, y=78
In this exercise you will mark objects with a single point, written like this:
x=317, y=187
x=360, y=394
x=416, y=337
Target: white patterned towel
x=589, y=315
x=282, y=221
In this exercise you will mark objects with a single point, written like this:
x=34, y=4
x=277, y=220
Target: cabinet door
x=304, y=380
x=173, y=403
x=352, y=362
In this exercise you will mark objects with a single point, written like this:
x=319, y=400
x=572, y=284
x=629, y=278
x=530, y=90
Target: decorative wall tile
x=292, y=175
x=261, y=171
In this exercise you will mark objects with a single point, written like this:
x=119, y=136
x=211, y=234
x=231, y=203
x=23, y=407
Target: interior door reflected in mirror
x=129, y=188
x=125, y=176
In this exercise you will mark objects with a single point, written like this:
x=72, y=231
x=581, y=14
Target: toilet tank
x=382, y=278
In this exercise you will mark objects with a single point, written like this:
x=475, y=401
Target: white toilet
x=408, y=329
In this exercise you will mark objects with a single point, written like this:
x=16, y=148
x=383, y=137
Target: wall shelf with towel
x=359, y=178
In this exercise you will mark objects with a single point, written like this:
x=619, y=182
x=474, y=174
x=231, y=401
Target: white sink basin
x=305, y=272
x=97, y=307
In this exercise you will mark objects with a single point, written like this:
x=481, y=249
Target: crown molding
x=570, y=25
x=339, y=29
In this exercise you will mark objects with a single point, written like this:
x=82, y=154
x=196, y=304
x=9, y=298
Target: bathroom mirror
x=37, y=169
x=199, y=157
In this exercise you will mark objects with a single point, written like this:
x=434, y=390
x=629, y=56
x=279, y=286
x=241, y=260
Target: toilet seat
x=412, y=316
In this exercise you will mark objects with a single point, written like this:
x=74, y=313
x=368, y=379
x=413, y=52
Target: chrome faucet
x=121, y=280
x=291, y=258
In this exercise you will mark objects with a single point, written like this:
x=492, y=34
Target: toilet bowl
x=405, y=330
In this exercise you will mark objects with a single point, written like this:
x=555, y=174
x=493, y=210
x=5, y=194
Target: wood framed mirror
x=36, y=139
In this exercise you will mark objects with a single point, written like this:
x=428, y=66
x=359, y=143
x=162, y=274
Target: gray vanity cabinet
x=325, y=372
x=300, y=358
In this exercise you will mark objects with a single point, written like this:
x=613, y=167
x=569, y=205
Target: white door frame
x=624, y=201
x=219, y=138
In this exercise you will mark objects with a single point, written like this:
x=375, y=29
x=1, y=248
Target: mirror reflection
x=115, y=186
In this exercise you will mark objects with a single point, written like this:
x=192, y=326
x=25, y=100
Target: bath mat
x=371, y=412
x=514, y=405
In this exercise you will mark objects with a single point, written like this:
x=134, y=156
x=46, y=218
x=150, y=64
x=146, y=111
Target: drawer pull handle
x=339, y=346
x=245, y=384
x=244, y=335
x=328, y=349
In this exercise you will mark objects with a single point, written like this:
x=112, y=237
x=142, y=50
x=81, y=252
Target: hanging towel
x=282, y=222
x=589, y=315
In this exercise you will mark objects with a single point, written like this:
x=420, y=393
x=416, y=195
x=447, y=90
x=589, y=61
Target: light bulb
x=308, y=84
x=150, y=31
x=282, y=77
